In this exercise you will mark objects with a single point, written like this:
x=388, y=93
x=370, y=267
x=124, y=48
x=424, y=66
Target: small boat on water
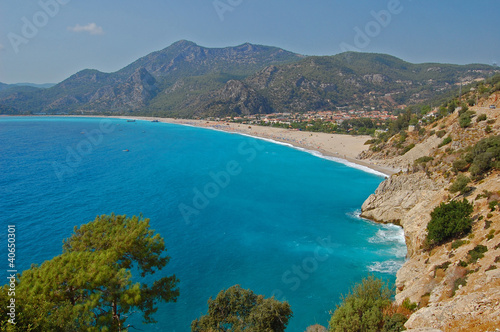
x=130, y=120
x=126, y=150
x=155, y=121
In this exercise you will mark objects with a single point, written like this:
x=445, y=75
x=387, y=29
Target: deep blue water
x=232, y=209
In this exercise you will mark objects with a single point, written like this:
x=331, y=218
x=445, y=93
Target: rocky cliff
x=450, y=297
x=456, y=288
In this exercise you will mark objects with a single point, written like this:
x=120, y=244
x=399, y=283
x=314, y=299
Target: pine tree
x=89, y=286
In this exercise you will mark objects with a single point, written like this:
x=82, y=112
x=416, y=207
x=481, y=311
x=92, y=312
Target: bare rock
x=316, y=328
x=401, y=200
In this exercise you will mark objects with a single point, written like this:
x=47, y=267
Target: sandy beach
x=346, y=148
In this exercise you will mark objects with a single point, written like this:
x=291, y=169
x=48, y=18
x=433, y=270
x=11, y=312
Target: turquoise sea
x=232, y=209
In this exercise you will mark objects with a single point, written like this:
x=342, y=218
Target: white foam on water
x=389, y=234
x=388, y=267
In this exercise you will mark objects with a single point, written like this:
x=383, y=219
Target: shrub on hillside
x=449, y=221
x=460, y=185
x=458, y=243
x=423, y=160
x=363, y=309
x=481, y=117
x=460, y=165
x=408, y=148
x=464, y=120
x=445, y=141
x=477, y=253
x=484, y=156
x=441, y=133
x=238, y=309
x=394, y=323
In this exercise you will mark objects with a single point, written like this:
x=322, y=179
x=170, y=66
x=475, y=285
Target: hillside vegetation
x=187, y=80
x=447, y=199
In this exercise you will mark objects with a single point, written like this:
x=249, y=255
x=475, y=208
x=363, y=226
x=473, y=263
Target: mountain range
x=187, y=80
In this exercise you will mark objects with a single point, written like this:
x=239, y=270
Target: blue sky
x=48, y=40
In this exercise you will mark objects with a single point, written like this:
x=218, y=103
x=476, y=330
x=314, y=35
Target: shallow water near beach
x=232, y=209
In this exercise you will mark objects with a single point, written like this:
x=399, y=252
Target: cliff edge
x=456, y=284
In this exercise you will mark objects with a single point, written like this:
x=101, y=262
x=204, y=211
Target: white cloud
x=91, y=28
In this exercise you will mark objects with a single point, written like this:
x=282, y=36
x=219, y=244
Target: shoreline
x=336, y=147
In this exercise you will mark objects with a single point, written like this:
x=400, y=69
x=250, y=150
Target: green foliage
x=477, y=253
x=407, y=304
x=460, y=184
x=403, y=136
x=441, y=133
x=487, y=224
x=361, y=309
x=458, y=243
x=445, y=141
x=484, y=156
x=481, y=117
x=425, y=109
x=423, y=160
x=89, y=287
x=465, y=119
x=465, y=107
x=460, y=165
x=492, y=205
x=237, y=309
x=452, y=106
x=459, y=282
x=408, y=148
x=193, y=87
x=443, y=111
x=394, y=323
x=449, y=221
x=443, y=266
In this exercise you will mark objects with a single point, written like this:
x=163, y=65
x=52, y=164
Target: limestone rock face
x=400, y=200
x=453, y=292
x=467, y=307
